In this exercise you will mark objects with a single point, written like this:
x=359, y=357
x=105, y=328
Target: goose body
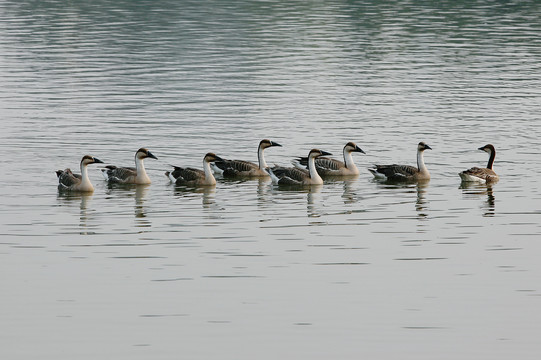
x=396, y=172
x=130, y=175
x=295, y=176
x=327, y=167
x=242, y=168
x=195, y=177
x=483, y=175
x=68, y=181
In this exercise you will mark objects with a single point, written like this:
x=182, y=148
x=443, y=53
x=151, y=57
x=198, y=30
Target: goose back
x=485, y=175
x=399, y=173
x=121, y=175
x=130, y=175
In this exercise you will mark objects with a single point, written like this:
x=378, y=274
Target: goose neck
x=209, y=178
x=85, y=180
x=261, y=158
x=348, y=160
x=491, y=159
x=316, y=179
x=421, y=162
x=140, y=166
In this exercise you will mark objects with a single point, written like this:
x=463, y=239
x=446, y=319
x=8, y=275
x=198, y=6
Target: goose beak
x=275, y=144
x=427, y=147
x=151, y=155
x=482, y=148
x=325, y=153
x=98, y=161
x=358, y=149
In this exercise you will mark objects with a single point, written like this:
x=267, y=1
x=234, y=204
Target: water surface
x=352, y=269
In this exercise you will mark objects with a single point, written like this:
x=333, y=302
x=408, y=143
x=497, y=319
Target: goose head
x=212, y=157
x=87, y=160
x=266, y=143
x=352, y=147
x=422, y=147
x=489, y=148
x=143, y=153
x=314, y=153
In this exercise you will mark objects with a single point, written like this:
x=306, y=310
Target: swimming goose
x=331, y=167
x=484, y=175
x=68, y=181
x=130, y=175
x=404, y=172
x=294, y=176
x=191, y=176
x=241, y=168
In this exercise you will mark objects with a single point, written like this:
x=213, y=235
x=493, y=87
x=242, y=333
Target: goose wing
x=187, y=174
x=67, y=179
x=328, y=166
x=397, y=172
x=324, y=165
x=119, y=174
x=233, y=168
x=481, y=173
x=290, y=176
x=237, y=165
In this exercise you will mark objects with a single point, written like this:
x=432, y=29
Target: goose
x=404, y=172
x=130, y=175
x=295, y=176
x=242, y=168
x=68, y=181
x=484, y=175
x=191, y=176
x=330, y=167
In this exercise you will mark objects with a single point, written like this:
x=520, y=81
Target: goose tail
x=274, y=178
x=298, y=163
x=377, y=175
x=105, y=173
x=216, y=169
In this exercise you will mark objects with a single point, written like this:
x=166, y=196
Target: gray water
x=354, y=269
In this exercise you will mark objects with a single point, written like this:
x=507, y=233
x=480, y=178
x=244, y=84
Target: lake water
x=354, y=269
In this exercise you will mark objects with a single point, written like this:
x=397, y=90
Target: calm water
x=350, y=270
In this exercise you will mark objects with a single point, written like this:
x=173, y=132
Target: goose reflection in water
x=264, y=192
x=313, y=206
x=272, y=193
x=421, y=205
x=84, y=200
x=476, y=190
x=349, y=195
x=138, y=193
x=140, y=210
x=419, y=187
x=208, y=200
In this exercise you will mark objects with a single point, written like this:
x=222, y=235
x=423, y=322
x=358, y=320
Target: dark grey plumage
x=482, y=174
x=294, y=176
x=68, y=181
x=400, y=173
x=243, y=168
x=194, y=177
x=327, y=167
x=130, y=175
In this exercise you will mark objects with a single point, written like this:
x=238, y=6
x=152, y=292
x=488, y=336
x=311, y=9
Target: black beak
x=275, y=144
x=358, y=149
x=427, y=147
x=151, y=155
x=325, y=153
x=482, y=148
x=98, y=161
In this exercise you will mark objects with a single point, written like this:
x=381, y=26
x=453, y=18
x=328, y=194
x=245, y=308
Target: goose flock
x=309, y=170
